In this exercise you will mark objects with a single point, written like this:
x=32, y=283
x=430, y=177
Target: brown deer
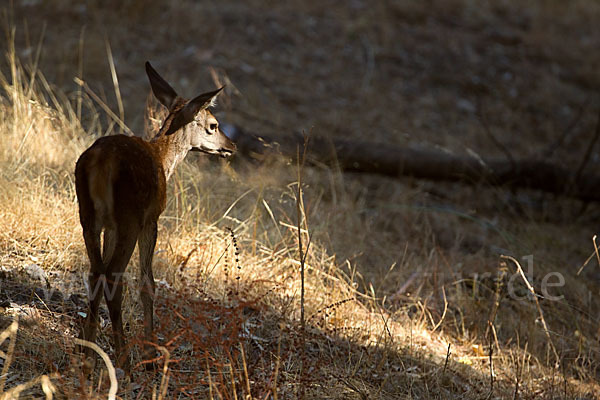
x=121, y=188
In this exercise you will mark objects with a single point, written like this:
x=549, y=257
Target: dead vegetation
x=406, y=295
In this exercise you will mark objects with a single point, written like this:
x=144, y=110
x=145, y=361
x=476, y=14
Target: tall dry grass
x=41, y=137
x=229, y=301
x=251, y=265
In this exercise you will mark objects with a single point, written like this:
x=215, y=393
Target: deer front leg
x=146, y=245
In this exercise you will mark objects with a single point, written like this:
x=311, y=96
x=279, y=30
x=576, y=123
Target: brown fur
x=121, y=188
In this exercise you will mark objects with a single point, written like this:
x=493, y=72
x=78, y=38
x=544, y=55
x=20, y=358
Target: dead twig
x=491, y=352
x=112, y=391
x=104, y=106
x=444, y=313
x=537, y=303
x=301, y=216
x=447, y=358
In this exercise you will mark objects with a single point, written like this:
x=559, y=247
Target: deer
x=120, y=183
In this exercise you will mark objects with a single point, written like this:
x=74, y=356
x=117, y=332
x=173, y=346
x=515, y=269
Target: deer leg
x=91, y=236
x=96, y=278
x=109, y=245
x=146, y=245
x=90, y=326
x=113, y=294
x=114, y=299
x=96, y=282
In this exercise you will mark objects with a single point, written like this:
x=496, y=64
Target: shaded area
x=223, y=345
x=402, y=73
x=395, y=161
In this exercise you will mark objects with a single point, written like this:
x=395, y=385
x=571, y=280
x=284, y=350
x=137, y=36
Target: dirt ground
x=485, y=78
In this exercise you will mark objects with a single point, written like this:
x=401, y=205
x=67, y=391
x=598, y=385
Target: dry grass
x=396, y=271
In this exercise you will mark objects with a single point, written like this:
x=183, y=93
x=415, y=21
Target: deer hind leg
x=146, y=245
x=109, y=243
x=91, y=235
x=125, y=238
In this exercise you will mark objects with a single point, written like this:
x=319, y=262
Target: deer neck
x=171, y=150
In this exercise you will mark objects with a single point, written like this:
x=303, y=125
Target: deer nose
x=226, y=153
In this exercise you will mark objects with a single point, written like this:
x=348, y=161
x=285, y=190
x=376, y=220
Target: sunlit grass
x=378, y=327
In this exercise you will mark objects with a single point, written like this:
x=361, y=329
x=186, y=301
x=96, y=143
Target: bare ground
x=487, y=78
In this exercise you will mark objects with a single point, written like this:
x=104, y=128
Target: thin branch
x=447, y=358
x=491, y=352
x=444, y=313
x=301, y=215
x=537, y=303
x=594, y=253
x=115, y=80
x=112, y=392
x=164, y=382
x=103, y=105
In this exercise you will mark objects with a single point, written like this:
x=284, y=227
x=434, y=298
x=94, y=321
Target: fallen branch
x=397, y=161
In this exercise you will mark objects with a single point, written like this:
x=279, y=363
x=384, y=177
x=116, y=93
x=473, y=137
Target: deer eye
x=212, y=128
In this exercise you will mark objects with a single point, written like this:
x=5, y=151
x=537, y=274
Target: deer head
x=190, y=120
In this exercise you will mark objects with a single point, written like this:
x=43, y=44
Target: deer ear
x=188, y=113
x=161, y=89
x=205, y=100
